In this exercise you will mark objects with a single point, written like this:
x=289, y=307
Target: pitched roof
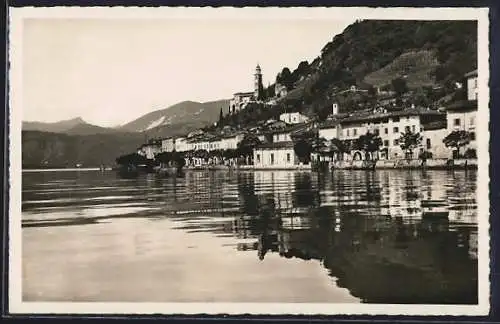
x=276, y=145
x=462, y=105
x=471, y=74
x=381, y=115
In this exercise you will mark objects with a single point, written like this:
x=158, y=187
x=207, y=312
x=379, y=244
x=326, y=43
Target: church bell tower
x=258, y=87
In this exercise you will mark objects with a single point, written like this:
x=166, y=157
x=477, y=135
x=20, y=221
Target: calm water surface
x=346, y=237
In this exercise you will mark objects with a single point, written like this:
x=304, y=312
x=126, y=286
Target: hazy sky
x=111, y=71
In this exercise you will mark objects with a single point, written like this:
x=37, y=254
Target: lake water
x=270, y=236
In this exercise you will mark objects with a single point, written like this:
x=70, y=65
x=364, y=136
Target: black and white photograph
x=249, y=161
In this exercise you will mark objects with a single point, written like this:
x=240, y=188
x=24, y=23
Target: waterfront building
x=389, y=126
x=329, y=130
x=181, y=144
x=150, y=149
x=275, y=155
x=294, y=118
x=461, y=115
x=168, y=144
x=432, y=140
x=216, y=142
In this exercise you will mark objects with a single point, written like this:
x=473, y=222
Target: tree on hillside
x=270, y=92
x=409, y=141
x=285, y=78
x=221, y=118
x=399, y=86
x=457, y=139
x=368, y=143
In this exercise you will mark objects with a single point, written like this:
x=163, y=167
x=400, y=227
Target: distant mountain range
x=74, y=141
x=178, y=119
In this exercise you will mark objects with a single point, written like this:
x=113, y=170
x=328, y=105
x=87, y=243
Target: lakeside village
x=409, y=137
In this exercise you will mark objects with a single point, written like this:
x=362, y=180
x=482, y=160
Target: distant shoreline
x=62, y=169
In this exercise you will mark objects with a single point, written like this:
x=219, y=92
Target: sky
x=112, y=71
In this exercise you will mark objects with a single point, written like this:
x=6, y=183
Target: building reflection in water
x=387, y=236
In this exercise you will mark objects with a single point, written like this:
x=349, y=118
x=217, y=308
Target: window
x=475, y=83
x=347, y=133
x=473, y=136
x=413, y=128
x=386, y=130
x=258, y=158
x=472, y=121
x=407, y=129
x=456, y=122
x=377, y=131
x=288, y=157
x=355, y=132
x=428, y=143
x=396, y=142
x=386, y=143
x=395, y=130
x=272, y=158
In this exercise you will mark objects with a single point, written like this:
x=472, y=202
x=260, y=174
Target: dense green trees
x=457, y=139
x=409, y=141
x=132, y=159
x=368, y=143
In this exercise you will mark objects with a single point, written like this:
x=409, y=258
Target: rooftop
x=387, y=114
x=462, y=105
x=277, y=145
x=471, y=74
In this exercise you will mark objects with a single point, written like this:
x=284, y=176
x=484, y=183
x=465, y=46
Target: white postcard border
x=16, y=305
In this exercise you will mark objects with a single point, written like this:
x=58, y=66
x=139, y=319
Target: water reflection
x=386, y=236
x=389, y=237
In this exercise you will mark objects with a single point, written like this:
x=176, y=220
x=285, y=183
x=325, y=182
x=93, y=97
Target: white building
x=389, y=126
x=461, y=115
x=182, y=145
x=472, y=88
x=168, y=144
x=275, y=155
x=329, y=130
x=240, y=100
x=150, y=149
x=217, y=143
x=282, y=136
x=294, y=118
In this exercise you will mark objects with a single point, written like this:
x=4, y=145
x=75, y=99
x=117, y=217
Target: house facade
x=472, y=88
x=462, y=115
x=240, y=100
x=168, y=144
x=389, y=126
x=294, y=118
x=275, y=155
x=150, y=149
